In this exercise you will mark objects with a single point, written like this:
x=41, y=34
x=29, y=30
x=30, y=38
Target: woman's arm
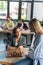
x=20, y=48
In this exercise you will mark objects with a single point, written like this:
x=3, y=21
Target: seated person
x=8, y=24
x=22, y=25
x=17, y=41
x=35, y=53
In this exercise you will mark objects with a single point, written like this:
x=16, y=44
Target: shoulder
x=40, y=38
x=23, y=38
x=12, y=37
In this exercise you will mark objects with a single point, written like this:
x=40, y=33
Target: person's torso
x=8, y=24
x=14, y=43
x=37, y=40
x=38, y=53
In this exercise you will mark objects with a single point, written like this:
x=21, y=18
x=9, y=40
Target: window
x=14, y=0
x=26, y=10
x=3, y=9
x=38, y=11
x=14, y=10
x=26, y=0
x=38, y=0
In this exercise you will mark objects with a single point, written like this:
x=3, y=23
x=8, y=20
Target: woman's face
x=8, y=19
x=36, y=27
x=31, y=28
x=18, y=32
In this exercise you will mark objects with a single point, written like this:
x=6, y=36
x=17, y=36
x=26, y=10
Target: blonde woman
x=35, y=55
x=37, y=45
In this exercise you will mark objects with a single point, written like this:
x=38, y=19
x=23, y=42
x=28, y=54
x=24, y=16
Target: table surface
x=10, y=60
x=23, y=32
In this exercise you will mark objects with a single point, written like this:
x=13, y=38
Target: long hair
x=35, y=25
x=14, y=31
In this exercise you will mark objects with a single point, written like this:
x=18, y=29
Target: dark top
x=24, y=26
x=22, y=41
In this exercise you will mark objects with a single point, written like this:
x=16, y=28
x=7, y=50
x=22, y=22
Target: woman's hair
x=14, y=31
x=35, y=25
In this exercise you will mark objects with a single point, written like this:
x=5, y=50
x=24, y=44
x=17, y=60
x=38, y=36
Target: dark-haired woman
x=17, y=40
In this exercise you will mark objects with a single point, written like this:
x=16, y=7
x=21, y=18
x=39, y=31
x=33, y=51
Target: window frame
x=19, y=12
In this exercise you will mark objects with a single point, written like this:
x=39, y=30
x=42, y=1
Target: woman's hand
x=18, y=51
x=13, y=51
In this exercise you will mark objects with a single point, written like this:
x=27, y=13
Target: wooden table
x=26, y=32
x=23, y=32
x=10, y=61
x=5, y=31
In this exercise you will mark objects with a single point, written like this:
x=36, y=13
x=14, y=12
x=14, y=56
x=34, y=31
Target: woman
x=38, y=42
x=17, y=40
x=22, y=25
x=36, y=48
x=9, y=25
